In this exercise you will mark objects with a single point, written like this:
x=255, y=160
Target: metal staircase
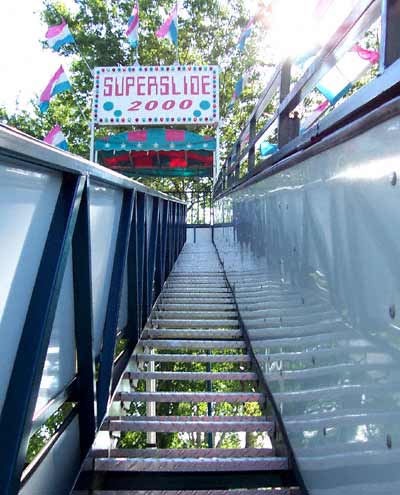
x=191, y=357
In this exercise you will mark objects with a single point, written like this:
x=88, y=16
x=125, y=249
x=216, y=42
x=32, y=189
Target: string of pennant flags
x=59, y=35
x=333, y=86
x=337, y=82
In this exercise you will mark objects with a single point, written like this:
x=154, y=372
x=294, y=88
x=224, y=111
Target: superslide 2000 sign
x=158, y=95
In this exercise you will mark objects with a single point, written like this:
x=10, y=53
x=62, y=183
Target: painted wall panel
x=123, y=310
x=105, y=209
x=313, y=253
x=60, y=364
x=56, y=474
x=27, y=199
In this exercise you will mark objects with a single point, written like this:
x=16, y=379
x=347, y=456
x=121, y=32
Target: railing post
x=81, y=262
x=140, y=250
x=104, y=382
x=162, y=249
x=390, y=40
x=235, y=174
x=284, y=125
x=151, y=258
x=252, y=146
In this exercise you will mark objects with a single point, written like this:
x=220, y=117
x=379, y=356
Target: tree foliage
x=208, y=34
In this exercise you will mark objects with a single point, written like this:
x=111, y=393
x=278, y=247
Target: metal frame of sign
x=156, y=95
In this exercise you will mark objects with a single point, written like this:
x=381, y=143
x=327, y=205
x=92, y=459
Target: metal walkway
x=191, y=379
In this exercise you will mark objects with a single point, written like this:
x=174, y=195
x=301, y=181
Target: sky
x=25, y=67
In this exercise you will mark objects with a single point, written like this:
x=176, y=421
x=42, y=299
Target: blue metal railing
x=108, y=244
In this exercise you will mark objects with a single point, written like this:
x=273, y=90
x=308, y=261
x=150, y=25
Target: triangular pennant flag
x=133, y=27
x=57, y=84
x=169, y=28
x=58, y=36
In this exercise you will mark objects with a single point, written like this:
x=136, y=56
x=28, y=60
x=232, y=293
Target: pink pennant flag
x=371, y=55
x=170, y=27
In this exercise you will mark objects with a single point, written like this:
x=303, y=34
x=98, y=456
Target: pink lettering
x=130, y=83
x=194, y=85
x=174, y=90
x=108, y=86
x=152, y=83
x=164, y=87
x=119, y=87
x=205, y=82
x=140, y=85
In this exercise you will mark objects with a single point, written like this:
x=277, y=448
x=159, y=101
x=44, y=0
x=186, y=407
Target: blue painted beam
x=133, y=330
x=162, y=247
x=151, y=254
x=82, y=270
x=23, y=389
x=104, y=382
x=141, y=249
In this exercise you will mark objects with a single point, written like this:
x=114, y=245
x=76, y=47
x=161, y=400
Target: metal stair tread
x=179, y=333
x=189, y=465
x=187, y=375
x=184, y=453
x=194, y=315
x=237, y=491
x=194, y=358
x=217, y=397
x=193, y=344
x=203, y=324
x=166, y=425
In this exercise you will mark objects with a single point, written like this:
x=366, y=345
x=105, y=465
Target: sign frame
x=156, y=95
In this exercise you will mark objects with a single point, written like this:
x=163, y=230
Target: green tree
x=208, y=34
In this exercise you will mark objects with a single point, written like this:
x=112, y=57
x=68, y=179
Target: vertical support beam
x=217, y=154
x=140, y=247
x=151, y=256
x=151, y=436
x=82, y=270
x=132, y=331
x=114, y=300
x=210, y=439
x=91, y=152
x=172, y=232
x=284, y=133
x=23, y=389
x=390, y=40
x=162, y=242
x=235, y=174
x=252, y=149
x=184, y=224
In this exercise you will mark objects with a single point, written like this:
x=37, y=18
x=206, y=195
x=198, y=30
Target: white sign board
x=159, y=95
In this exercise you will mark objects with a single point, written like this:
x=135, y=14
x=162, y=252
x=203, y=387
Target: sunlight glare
x=296, y=30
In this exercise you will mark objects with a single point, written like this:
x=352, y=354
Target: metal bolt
x=393, y=180
x=388, y=441
x=392, y=311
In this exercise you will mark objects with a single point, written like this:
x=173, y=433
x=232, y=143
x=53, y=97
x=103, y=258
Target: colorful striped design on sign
x=58, y=36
